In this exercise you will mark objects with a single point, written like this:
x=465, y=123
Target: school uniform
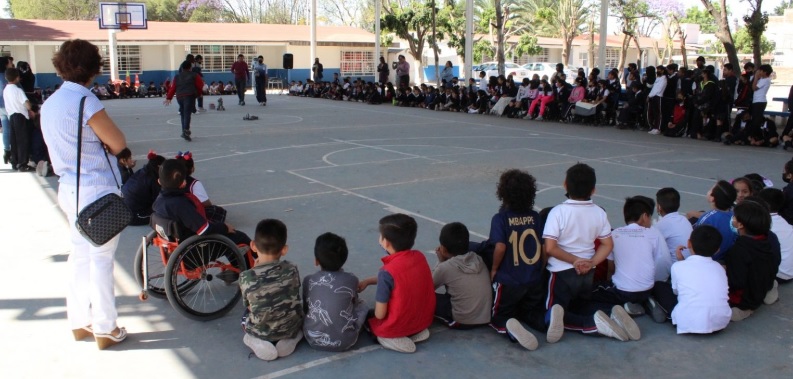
x=721, y=221
x=20, y=130
x=669, y=98
x=574, y=225
x=752, y=264
x=188, y=213
x=784, y=233
x=641, y=258
x=655, y=97
x=676, y=229
x=759, y=103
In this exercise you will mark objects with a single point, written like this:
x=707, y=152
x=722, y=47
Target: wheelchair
x=198, y=275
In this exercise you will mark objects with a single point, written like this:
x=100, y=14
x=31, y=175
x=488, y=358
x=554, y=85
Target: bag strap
x=79, y=152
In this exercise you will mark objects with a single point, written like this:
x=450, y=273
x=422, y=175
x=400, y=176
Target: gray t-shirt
x=334, y=314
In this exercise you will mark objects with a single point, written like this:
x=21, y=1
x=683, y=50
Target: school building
x=155, y=54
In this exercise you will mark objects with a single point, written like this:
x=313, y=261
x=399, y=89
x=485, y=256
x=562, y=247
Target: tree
x=669, y=12
x=483, y=48
x=756, y=22
x=630, y=12
x=454, y=25
x=566, y=19
x=780, y=9
x=345, y=12
x=723, y=29
x=501, y=22
x=265, y=11
x=744, y=43
x=54, y=9
x=201, y=10
x=701, y=17
x=164, y=10
x=412, y=23
x=527, y=45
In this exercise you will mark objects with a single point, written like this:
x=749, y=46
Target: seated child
x=570, y=233
x=766, y=136
x=697, y=296
x=142, y=189
x=468, y=299
x=739, y=133
x=182, y=207
x=640, y=258
x=334, y=314
x=784, y=232
x=753, y=261
x=517, y=261
x=405, y=301
x=673, y=226
x=721, y=198
x=213, y=212
x=632, y=108
x=271, y=296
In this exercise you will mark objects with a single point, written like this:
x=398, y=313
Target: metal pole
x=377, y=5
x=111, y=47
x=604, y=14
x=313, y=34
x=469, y=38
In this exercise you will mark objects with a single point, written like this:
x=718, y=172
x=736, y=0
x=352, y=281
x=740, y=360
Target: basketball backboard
x=122, y=16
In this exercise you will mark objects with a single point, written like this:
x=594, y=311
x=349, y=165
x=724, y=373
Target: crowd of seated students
x=127, y=91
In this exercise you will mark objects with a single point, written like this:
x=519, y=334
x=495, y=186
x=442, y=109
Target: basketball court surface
x=321, y=166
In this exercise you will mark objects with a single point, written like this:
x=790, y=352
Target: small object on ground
x=220, y=104
x=249, y=117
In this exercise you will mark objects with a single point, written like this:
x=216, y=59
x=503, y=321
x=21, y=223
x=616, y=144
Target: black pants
x=758, y=118
x=666, y=298
x=186, y=105
x=261, y=89
x=20, y=140
x=443, y=312
x=667, y=110
x=241, y=85
x=573, y=292
x=525, y=303
x=38, y=148
x=654, y=113
x=404, y=81
x=607, y=295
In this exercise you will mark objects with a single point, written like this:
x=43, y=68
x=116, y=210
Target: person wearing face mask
x=260, y=72
x=752, y=262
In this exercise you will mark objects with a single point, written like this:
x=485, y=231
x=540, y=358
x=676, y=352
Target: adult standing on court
x=240, y=71
x=4, y=122
x=260, y=74
x=198, y=65
x=90, y=300
x=383, y=71
x=448, y=74
x=403, y=72
x=187, y=85
x=317, y=70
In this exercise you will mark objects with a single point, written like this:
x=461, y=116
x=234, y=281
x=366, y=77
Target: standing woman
x=90, y=300
x=383, y=71
x=448, y=74
x=260, y=74
x=317, y=70
x=403, y=72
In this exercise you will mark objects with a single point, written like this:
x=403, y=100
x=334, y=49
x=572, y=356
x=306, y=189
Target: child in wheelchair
x=213, y=212
x=185, y=210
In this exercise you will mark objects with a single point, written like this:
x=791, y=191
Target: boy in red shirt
x=405, y=299
x=187, y=86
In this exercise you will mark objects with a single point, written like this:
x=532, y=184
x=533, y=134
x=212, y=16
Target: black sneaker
x=186, y=136
x=242, y=103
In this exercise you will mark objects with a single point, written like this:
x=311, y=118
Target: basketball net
x=123, y=26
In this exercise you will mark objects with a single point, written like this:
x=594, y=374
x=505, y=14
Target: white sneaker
x=739, y=314
x=420, y=336
x=773, y=294
x=556, y=327
x=654, y=132
x=609, y=328
x=524, y=337
x=401, y=344
x=625, y=321
x=202, y=110
x=287, y=346
x=264, y=350
x=539, y=118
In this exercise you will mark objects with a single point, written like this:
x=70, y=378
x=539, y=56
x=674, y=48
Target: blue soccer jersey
x=520, y=232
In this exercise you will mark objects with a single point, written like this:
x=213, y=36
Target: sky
x=738, y=7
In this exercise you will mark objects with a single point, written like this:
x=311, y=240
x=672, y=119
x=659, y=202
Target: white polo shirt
x=15, y=100
x=784, y=233
x=637, y=252
x=702, y=296
x=676, y=230
x=759, y=95
x=575, y=225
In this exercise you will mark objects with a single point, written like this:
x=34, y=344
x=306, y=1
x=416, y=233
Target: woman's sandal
x=83, y=333
x=105, y=340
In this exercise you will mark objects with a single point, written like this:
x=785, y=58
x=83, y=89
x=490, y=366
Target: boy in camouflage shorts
x=271, y=295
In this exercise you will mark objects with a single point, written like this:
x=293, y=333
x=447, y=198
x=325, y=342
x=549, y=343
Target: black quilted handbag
x=106, y=217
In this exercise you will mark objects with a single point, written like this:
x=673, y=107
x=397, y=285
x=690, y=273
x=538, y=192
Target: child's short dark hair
x=172, y=174
x=580, y=180
x=724, y=195
x=705, y=240
x=668, y=199
x=517, y=190
x=454, y=237
x=270, y=236
x=11, y=74
x=775, y=198
x=330, y=250
x=753, y=213
x=636, y=206
x=399, y=230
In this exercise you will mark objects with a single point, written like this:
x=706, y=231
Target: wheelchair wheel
x=201, y=277
x=156, y=268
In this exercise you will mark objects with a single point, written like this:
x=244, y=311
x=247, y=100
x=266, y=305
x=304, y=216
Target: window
x=357, y=63
x=219, y=58
x=127, y=58
x=542, y=57
x=612, y=58
x=584, y=58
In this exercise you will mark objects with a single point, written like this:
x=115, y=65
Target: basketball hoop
x=123, y=26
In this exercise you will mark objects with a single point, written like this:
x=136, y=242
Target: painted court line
x=384, y=149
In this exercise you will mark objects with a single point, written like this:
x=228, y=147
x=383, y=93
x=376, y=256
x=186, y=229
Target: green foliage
x=780, y=9
x=483, y=48
x=412, y=23
x=701, y=17
x=743, y=42
x=527, y=46
x=54, y=9
x=163, y=10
